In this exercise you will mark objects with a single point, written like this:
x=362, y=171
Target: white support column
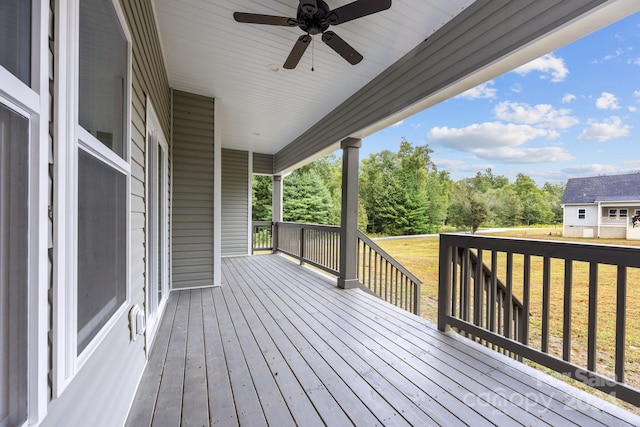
x=349, y=216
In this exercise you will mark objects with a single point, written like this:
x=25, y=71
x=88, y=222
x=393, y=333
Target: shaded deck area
x=280, y=345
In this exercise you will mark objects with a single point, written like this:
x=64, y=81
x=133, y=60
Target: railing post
x=349, y=216
x=274, y=237
x=444, y=285
x=302, y=245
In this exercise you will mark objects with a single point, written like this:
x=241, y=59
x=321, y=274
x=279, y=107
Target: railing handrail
x=308, y=226
x=366, y=239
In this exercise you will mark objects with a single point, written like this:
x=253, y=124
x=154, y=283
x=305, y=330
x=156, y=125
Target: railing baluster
x=478, y=291
x=546, y=304
x=593, y=316
x=454, y=281
x=566, y=322
x=526, y=300
x=508, y=315
x=621, y=312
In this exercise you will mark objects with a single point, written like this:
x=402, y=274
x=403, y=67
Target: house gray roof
x=602, y=188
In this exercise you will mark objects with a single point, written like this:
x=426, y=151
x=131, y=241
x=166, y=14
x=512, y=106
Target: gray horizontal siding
x=192, y=225
x=263, y=163
x=485, y=32
x=235, y=202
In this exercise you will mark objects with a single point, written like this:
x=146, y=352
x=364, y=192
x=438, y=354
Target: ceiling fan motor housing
x=314, y=23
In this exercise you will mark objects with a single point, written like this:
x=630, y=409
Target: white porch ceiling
x=208, y=53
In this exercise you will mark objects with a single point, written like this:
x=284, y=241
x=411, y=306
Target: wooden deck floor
x=280, y=345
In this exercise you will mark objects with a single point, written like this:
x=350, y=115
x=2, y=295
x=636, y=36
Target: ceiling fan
x=315, y=17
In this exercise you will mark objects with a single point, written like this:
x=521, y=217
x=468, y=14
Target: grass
x=420, y=256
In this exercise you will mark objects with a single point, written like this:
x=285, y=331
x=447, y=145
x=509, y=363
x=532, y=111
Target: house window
x=14, y=179
x=102, y=248
x=624, y=213
x=103, y=171
x=15, y=38
x=582, y=213
x=103, y=54
x=613, y=213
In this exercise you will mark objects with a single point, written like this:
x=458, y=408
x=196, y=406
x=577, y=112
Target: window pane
x=15, y=38
x=102, y=74
x=101, y=245
x=14, y=157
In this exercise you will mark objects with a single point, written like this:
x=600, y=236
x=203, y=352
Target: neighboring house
x=129, y=132
x=602, y=206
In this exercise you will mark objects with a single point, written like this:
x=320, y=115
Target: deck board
x=278, y=344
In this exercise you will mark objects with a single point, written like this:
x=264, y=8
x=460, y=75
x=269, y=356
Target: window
x=14, y=178
x=15, y=38
x=613, y=213
x=102, y=248
x=103, y=53
x=582, y=213
x=624, y=213
x=102, y=170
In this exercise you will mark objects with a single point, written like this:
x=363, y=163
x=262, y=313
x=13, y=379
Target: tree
x=401, y=191
x=535, y=209
x=261, y=198
x=306, y=198
x=468, y=208
x=553, y=194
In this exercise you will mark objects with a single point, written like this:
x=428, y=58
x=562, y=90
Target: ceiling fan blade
x=256, y=18
x=358, y=9
x=343, y=48
x=309, y=6
x=297, y=52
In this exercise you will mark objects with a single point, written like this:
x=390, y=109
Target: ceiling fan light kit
x=315, y=17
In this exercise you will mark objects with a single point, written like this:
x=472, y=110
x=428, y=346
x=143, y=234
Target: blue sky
x=571, y=113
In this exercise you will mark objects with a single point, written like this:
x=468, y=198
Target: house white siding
x=574, y=226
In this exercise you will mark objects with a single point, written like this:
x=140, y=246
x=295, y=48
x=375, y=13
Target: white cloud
x=396, y=124
x=593, y=170
x=517, y=88
x=542, y=114
x=636, y=93
x=497, y=141
x=525, y=155
x=549, y=65
x=604, y=130
x=607, y=101
x=568, y=97
x=482, y=91
x=632, y=109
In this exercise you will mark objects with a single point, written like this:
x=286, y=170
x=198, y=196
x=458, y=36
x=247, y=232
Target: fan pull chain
x=313, y=51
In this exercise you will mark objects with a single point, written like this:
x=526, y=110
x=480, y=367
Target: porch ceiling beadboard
x=416, y=54
x=207, y=52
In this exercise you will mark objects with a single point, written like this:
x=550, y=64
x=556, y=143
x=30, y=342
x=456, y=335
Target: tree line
x=403, y=193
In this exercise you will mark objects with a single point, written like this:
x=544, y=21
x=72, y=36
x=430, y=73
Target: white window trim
x=151, y=223
x=27, y=100
x=66, y=361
